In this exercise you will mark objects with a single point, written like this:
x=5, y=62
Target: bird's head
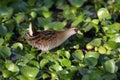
x=75, y=30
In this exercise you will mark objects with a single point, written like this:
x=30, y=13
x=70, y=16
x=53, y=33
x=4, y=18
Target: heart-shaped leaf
x=102, y=50
x=6, y=73
x=11, y=66
x=3, y=30
x=92, y=54
x=43, y=62
x=55, y=67
x=65, y=62
x=29, y=72
x=77, y=3
x=91, y=61
x=1, y=41
x=78, y=54
x=110, y=66
x=5, y=51
x=19, y=17
x=18, y=45
x=103, y=14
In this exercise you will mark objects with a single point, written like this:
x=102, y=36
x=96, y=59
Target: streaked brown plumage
x=49, y=39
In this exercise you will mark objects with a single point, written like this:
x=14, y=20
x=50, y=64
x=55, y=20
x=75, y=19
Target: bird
x=49, y=39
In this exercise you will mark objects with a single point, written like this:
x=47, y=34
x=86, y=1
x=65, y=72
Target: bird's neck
x=69, y=32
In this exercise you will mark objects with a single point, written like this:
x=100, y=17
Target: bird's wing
x=47, y=36
x=47, y=39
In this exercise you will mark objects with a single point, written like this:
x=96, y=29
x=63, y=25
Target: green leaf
x=29, y=72
x=95, y=26
x=2, y=64
x=1, y=41
x=103, y=14
x=89, y=46
x=92, y=54
x=11, y=66
x=19, y=6
x=78, y=20
x=68, y=14
x=86, y=77
x=10, y=24
x=48, y=3
x=8, y=36
x=83, y=70
x=19, y=17
x=77, y=46
x=3, y=30
x=28, y=57
x=45, y=76
x=34, y=63
x=91, y=24
x=115, y=38
x=88, y=27
x=77, y=3
x=113, y=28
x=66, y=54
x=110, y=66
x=110, y=45
x=43, y=62
x=6, y=73
x=43, y=21
x=78, y=54
x=54, y=76
x=95, y=21
x=55, y=67
x=21, y=77
x=18, y=45
x=73, y=10
x=102, y=50
x=56, y=25
x=33, y=14
x=5, y=51
x=31, y=2
x=60, y=4
x=65, y=62
x=110, y=76
x=47, y=14
x=88, y=20
x=65, y=75
x=6, y=12
x=92, y=76
x=91, y=61
x=96, y=42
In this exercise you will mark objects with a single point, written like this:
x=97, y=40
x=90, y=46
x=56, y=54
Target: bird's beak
x=80, y=32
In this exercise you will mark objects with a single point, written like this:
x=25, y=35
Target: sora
x=49, y=39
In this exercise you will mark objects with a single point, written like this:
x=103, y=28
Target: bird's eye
x=76, y=29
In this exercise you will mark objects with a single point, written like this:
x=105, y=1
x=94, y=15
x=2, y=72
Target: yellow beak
x=79, y=32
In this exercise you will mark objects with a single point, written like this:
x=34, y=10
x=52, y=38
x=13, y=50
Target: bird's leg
x=42, y=52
